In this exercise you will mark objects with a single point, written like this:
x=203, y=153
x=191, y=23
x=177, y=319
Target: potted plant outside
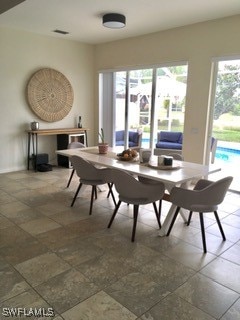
x=102, y=145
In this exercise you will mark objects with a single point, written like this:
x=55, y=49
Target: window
x=148, y=100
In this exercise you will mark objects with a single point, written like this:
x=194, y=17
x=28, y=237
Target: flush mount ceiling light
x=114, y=20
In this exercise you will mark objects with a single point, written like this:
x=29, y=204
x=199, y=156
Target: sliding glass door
x=226, y=118
x=147, y=101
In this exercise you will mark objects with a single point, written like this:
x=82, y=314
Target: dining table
x=180, y=173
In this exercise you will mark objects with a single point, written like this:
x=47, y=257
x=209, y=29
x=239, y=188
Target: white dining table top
x=185, y=171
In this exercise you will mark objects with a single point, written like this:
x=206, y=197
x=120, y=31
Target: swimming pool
x=222, y=153
x=227, y=154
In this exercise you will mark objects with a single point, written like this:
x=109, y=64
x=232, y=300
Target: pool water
x=227, y=154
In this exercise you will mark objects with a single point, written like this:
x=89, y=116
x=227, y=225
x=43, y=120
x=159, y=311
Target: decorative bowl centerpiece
x=128, y=155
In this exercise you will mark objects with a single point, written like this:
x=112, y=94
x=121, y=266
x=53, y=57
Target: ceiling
x=83, y=18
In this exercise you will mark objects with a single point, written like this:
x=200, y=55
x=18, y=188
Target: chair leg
x=135, y=216
x=203, y=232
x=114, y=213
x=173, y=220
x=94, y=191
x=110, y=185
x=219, y=225
x=76, y=194
x=189, y=218
x=157, y=214
x=160, y=208
x=70, y=178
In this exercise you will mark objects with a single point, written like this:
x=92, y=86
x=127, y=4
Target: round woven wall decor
x=50, y=94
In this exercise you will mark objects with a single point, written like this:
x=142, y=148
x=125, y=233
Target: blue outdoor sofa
x=169, y=140
x=134, y=138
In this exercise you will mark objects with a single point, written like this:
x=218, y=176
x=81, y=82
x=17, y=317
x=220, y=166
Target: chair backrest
x=129, y=187
x=176, y=156
x=205, y=197
x=145, y=155
x=75, y=145
x=215, y=192
x=85, y=169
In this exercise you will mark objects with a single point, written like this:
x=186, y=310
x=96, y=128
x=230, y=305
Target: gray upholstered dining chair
x=74, y=145
x=176, y=156
x=90, y=175
x=132, y=191
x=205, y=197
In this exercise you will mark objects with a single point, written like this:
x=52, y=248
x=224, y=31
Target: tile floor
x=64, y=261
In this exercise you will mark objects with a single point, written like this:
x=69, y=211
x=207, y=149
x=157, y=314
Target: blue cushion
x=119, y=135
x=132, y=144
x=180, y=140
x=119, y=143
x=169, y=145
x=133, y=137
x=170, y=136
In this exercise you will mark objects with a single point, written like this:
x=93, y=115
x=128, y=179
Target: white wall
x=21, y=55
x=198, y=44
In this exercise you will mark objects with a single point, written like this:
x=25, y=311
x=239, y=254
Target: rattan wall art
x=50, y=94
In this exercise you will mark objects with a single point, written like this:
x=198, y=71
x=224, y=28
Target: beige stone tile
x=101, y=307
x=173, y=307
x=125, y=227
x=12, y=283
x=39, y=225
x=32, y=197
x=109, y=239
x=105, y=270
x=232, y=220
x=27, y=302
x=232, y=234
x=66, y=290
x=12, y=235
x=25, y=215
x=184, y=232
x=52, y=207
x=137, y=292
x=233, y=313
x=21, y=251
x=67, y=217
x=5, y=223
x=58, y=238
x=12, y=208
x=207, y=295
x=5, y=198
x=106, y=258
x=160, y=244
x=41, y=268
x=232, y=254
x=169, y=273
x=79, y=251
x=224, y=272
x=215, y=244
x=190, y=256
